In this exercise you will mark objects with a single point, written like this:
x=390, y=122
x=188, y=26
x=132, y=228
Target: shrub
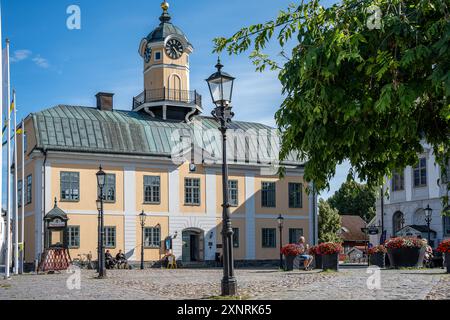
x=314, y=251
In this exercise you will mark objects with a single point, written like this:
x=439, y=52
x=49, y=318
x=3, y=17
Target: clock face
x=148, y=54
x=174, y=49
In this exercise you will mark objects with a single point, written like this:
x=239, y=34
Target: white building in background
x=409, y=193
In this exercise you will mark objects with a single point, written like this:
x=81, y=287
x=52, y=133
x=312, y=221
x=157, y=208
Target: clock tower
x=165, y=53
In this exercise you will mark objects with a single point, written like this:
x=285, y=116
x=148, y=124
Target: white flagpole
x=16, y=205
x=22, y=155
x=2, y=236
x=8, y=168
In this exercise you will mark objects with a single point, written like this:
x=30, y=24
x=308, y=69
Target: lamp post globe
x=221, y=88
x=142, y=219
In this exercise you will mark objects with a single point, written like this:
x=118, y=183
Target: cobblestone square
x=255, y=284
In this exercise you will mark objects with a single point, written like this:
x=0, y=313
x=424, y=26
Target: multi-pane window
x=19, y=192
x=420, y=173
x=152, y=237
x=269, y=238
x=295, y=195
x=29, y=189
x=192, y=191
x=294, y=235
x=233, y=193
x=73, y=235
x=268, y=195
x=152, y=189
x=70, y=186
x=398, y=181
x=446, y=225
x=235, y=237
x=109, y=237
x=109, y=190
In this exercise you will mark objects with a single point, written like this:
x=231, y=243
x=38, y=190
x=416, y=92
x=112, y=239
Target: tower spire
x=165, y=17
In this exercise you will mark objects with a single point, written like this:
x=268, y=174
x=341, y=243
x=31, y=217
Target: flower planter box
x=406, y=257
x=318, y=261
x=289, y=262
x=447, y=261
x=378, y=259
x=330, y=262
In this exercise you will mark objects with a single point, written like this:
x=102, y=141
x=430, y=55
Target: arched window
x=398, y=221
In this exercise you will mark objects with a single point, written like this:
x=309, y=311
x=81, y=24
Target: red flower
x=377, y=249
x=314, y=251
x=444, y=246
x=405, y=242
x=329, y=248
x=291, y=250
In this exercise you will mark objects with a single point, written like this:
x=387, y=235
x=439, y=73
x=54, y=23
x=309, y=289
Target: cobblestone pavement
x=156, y=284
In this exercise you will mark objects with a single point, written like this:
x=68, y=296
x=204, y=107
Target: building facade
x=164, y=158
x=410, y=191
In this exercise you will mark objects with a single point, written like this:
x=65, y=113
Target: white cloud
x=41, y=62
x=20, y=55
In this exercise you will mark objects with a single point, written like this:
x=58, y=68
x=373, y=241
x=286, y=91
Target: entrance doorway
x=193, y=245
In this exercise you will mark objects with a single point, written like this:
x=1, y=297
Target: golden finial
x=165, y=6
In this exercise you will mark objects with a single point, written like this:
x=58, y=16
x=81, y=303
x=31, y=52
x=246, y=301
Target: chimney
x=105, y=101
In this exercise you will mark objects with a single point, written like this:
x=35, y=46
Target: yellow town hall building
x=150, y=167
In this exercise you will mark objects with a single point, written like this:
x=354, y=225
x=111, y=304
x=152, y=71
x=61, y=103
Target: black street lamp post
x=280, y=221
x=101, y=178
x=142, y=218
x=428, y=218
x=221, y=88
x=99, y=230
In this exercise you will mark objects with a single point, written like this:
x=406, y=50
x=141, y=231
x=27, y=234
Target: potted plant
x=315, y=252
x=406, y=252
x=290, y=251
x=377, y=256
x=444, y=248
x=330, y=255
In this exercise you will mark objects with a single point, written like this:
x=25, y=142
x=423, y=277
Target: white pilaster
x=433, y=176
x=174, y=210
x=250, y=232
x=37, y=198
x=408, y=183
x=130, y=212
x=211, y=213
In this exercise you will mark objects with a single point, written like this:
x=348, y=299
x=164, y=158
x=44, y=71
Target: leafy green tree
x=358, y=85
x=355, y=199
x=329, y=223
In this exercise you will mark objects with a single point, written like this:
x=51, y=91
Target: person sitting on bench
x=121, y=259
x=110, y=262
x=307, y=259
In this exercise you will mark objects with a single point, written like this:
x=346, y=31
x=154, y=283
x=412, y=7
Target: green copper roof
x=165, y=29
x=85, y=129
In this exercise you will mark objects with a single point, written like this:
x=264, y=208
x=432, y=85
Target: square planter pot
x=378, y=259
x=406, y=257
x=318, y=261
x=289, y=261
x=447, y=261
x=330, y=262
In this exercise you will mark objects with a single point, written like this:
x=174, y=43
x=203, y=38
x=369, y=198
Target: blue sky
x=54, y=65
